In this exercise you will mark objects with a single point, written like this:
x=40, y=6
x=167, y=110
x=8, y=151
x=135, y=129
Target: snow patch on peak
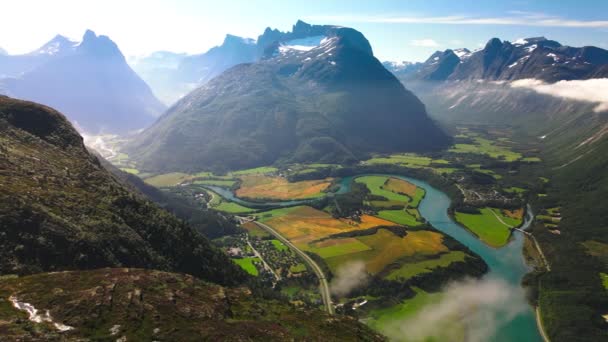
x=462, y=53
x=531, y=48
x=303, y=44
x=520, y=41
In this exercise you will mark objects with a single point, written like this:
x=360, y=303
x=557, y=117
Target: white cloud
x=424, y=43
x=478, y=306
x=349, y=277
x=593, y=90
x=516, y=18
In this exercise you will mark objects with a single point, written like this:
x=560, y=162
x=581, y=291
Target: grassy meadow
x=390, y=320
x=486, y=226
x=247, y=265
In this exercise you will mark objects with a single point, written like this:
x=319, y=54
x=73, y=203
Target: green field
x=267, y=215
x=375, y=183
x=400, y=216
x=486, y=226
x=168, y=179
x=298, y=268
x=247, y=265
x=410, y=270
x=233, y=208
x=477, y=168
x=409, y=160
x=257, y=170
x=515, y=190
x=417, y=197
x=488, y=148
x=216, y=182
x=604, y=278
x=279, y=246
x=389, y=320
x=130, y=170
x=513, y=222
x=220, y=204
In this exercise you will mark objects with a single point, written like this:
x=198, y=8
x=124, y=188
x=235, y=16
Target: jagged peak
x=493, y=43
x=301, y=26
x=89, y=35
x=99, y=45
x=232, y=39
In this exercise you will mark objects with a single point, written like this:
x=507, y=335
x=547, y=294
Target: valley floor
x=355, y=231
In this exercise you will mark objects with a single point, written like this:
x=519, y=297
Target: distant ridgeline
x=317, y=94
x=89, y=81
x=537, y=58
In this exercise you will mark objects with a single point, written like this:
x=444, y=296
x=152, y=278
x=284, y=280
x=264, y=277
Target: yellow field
x=260, y=186
x=306, y=224
x=368, y=221
x=400, y=186
x=387, y=248
x=517, y=214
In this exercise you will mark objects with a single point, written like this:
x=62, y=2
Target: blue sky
x=398, y=30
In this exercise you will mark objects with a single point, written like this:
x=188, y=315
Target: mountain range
x=537, y=57
x=317, y=94
x=90, y=81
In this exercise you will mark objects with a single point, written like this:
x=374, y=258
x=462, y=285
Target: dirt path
x=500, y=219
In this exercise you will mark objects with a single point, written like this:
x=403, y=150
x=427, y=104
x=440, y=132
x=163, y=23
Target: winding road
x=323, y=285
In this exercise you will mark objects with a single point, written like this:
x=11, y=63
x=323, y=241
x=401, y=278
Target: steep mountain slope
x=537, y=58
x=60, y=209
x=89, y=81
x=318, y=94
x=171, y=81
x=208, y=222
x=144, y=305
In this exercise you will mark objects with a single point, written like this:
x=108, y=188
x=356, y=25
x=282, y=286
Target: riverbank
x=539, y=323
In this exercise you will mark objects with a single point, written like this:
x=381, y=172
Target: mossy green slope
x=144, y=305
x=61, y=210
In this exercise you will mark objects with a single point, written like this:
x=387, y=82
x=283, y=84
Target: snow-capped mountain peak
x=59, y=45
